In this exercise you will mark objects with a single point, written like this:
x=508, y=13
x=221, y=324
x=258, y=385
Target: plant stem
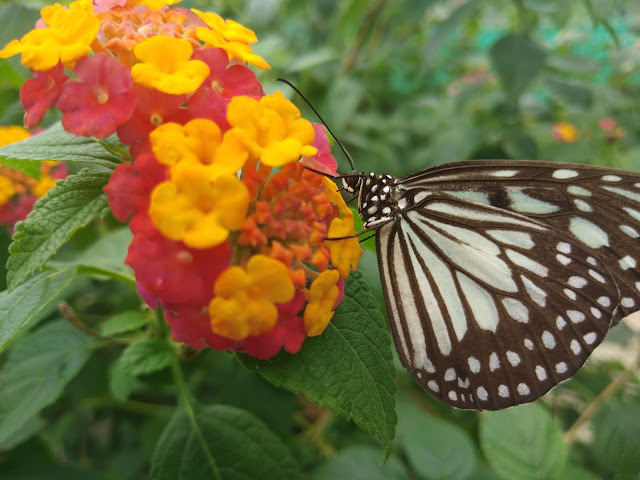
x=183, y=393
x=597, y=402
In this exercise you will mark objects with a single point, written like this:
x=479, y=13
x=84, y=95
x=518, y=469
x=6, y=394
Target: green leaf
x=349, y=367
x=121, y=382
x=71, y=205
x=572, y=472
x=31, y=301
x=56, y=144
x=434, y=448
x=148, y=355
x=571, y=92
x=361, y=463
x=36, y=373
x=221, y=442
x=124, y=322
x=616, y=430
x=517, y=60
x=523, y=442
x=521, y=146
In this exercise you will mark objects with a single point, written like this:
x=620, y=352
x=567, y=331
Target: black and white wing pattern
x=501, y=277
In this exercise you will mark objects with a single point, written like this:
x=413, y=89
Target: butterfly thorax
x=382, y=199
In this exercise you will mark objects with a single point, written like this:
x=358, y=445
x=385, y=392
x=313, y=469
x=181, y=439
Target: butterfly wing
x=490, y=308
x=598, y=206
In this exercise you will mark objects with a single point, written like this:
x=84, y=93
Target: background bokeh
x=404, y=85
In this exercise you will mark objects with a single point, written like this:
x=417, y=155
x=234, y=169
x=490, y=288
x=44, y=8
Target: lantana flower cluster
x=19, y=192
x=232, y=222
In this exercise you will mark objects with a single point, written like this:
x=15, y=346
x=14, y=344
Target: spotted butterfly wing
x=501, y=278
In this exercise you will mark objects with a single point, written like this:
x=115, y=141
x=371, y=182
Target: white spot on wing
x=611, y=178
x=627, y=302
x=433, y=385
x=548, y=340
x=536, y=293
x=474, y=364
x=450, y=375
x=561, y=367
x=627, y=262
x=541, y=373
x=482, y=393
x=516, y=309
x=575, y=190
x=523, y=203
x=604, y=301
x=630, y=231
x=528, y=263
x=563, y=173
x=597, y=276
x=575, y=316
x=590, y=338
x=512, y=237
x=563, y=247
x=634, y=213
x=560, y=322
x=503, y=391
x=570, y=293
x=504, y=173
x=479, y=197
x=576, y=348
x=481, y=302
x=577, y=282
x=494, y=362
x=582, y=205
x=588, y=232
x=596, y=313
x=523, y=389
x=528, y=343
x=563, y=259
x=624, y=193
x=514, y=358
x=453, y=395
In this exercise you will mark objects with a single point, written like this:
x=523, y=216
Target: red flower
x=102, y=100
x=41, y=93
x=215, y=93
x=323, y=161
x=153, y=108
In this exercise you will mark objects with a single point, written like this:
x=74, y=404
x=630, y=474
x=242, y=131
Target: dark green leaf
x=225, y=443
x=616, y=430
x=434, y=448
x=121, y=382
x=36, y=470
x=517, y=60
x=572, y=92
x=436, y=41
x=361, y=463
x=148, y=355
x=348, y=368
x=523, y=442
x=36, y=373
x=521, y=146
x=71, y=205
x=30, y=301
x=56, y=144
x=124, y=322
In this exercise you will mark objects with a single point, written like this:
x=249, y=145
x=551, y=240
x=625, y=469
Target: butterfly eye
x=351, y=182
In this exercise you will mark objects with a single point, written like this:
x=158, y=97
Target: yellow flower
x=7, y=189
x=231, y=36
x=245, y=299
x=166, y=65
x=564, y=132
x=198, y=209
x=68, y=36
x=321, y=298
x=198, y=142
x=344, y=253
x=12, y=134
x=43, y=185
x=271, y=128
x=154, y=4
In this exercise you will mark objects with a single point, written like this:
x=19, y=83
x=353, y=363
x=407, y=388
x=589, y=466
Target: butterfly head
x=351, y=182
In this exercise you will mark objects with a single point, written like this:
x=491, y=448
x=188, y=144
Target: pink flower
x=101, y=100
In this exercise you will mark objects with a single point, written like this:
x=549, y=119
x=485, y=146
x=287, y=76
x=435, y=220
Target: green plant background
x=404, y=85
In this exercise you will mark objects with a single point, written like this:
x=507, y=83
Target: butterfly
x=501, y=277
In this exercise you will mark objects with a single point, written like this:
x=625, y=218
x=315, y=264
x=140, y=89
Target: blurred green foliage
x=404, y=85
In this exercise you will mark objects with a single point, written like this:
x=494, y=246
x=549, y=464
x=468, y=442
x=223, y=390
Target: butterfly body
x=500, y=278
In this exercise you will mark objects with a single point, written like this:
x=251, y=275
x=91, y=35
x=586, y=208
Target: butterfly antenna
x=295, y=89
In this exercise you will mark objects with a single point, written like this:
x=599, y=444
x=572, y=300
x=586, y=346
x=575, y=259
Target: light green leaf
x=616, y=430
x=56, y=144
x=224, y=443
x=124, y=322
x=147, y=355
x=36, y=373
x=523, y=442
x=71, y=205
x=434, y=448
x=31, y=301
x=361, y=463
x=349, y=367
x=517, y=60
